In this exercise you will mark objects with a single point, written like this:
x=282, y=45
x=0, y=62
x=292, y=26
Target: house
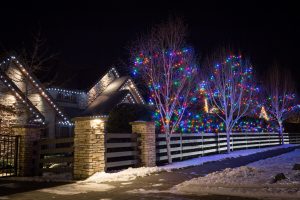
x=24, y=99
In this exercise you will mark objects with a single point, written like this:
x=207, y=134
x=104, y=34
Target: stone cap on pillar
x=90, y=122
x=85, y=118
x=143, y=127
x=142, y=122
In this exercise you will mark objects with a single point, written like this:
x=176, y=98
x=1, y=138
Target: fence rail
x=184, y=146
x=121, y=150
x=56, y=155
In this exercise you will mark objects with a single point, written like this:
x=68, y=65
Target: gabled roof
x=18, y=93
x=109, y=98
x=103, y=104
x=39, y=87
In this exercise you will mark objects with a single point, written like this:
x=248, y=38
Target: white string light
x=66, y=91
x=42, y=92
x=129, y=84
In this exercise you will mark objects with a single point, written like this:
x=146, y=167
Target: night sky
x=88, y=38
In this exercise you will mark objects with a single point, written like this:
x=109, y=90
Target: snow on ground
x=77, y=188
x=124, y=175
x=253, y=180
x=132, y=173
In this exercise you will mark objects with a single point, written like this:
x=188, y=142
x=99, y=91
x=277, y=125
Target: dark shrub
x=120, y=117
x=292, y=127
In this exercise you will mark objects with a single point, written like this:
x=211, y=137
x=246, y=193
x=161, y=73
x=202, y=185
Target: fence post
x=246, y=140
x=89, y=146
x=180, y=146
x=202, y=144
x=146, y=131
x=232, y=141
x=27, y=157
x=218, y=142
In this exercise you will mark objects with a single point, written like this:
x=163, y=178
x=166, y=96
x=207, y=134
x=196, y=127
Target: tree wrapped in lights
x=280, y=102
x=229, y=88
x=168, y=69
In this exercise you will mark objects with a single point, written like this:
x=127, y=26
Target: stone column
x=146, y=132
x=28, y=149
x=89, y=146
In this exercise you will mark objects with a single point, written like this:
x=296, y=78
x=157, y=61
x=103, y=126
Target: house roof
x=109, y=98
x=103, y=104
x=112, y=95
x=37, y=85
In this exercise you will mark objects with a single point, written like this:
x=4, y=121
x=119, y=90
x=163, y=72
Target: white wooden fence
x=184, y=146
x=121, y=150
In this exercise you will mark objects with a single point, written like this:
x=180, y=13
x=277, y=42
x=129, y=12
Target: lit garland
x=263, y=114
x=206, y=109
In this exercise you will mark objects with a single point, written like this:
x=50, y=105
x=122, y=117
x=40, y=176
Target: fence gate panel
x=9, y=155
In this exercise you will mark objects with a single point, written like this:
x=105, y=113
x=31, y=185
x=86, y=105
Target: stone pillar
x=89, y=146
x=28, y=149
x=146, y=132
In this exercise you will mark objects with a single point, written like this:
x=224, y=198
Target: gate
x=9, y=148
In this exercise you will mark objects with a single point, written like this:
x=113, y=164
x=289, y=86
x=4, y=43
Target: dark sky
x=88, y=38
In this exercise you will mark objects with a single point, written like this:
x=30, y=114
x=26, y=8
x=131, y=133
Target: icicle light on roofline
x=112, y=70
x=42, y=92
x=65, y=91
x=99, y=116
x=115, y=72
x=129, y=83
x=130, y=98
x=37, y=116
x=65, y=123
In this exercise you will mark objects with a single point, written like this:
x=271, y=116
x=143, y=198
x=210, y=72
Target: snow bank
x=132, y=173
x=254, y=180
x=125, y=175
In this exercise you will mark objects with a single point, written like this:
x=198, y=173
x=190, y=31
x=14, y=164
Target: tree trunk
x=281, y=132
x=228, y=140
x=168, y=141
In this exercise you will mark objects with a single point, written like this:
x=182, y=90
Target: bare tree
x=33, y=59
x=229, y=88
x=280, y=100
x=168, y=68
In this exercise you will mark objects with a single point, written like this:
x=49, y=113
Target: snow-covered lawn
x=253, y=180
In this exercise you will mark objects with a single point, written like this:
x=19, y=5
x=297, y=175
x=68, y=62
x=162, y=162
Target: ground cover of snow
x=78, y=188
x=253, y=180
x=132, y=173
